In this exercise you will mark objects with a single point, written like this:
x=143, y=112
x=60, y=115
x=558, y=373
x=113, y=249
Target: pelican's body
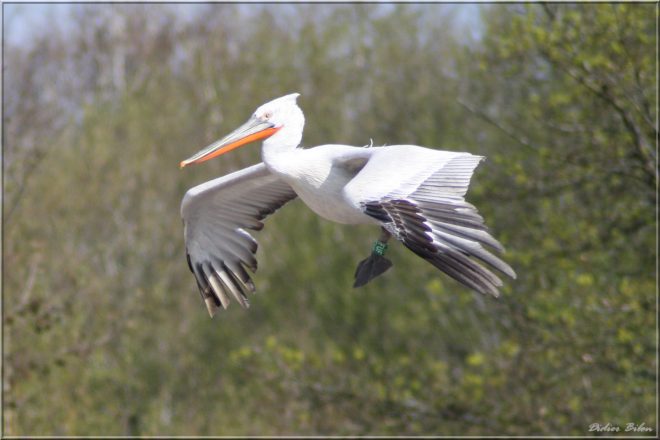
x=318, y=182
x=415, y=194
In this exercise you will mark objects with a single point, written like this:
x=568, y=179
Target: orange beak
x=253, y=130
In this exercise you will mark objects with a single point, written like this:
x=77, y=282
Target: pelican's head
x=280, y=121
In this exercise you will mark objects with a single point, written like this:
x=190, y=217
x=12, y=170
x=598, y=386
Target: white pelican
x=413, y=193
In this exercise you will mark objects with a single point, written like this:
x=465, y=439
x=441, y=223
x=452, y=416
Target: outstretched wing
x=215, y=216
x=421, y=202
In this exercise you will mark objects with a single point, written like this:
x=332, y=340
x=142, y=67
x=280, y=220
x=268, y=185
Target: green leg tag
x=379, y=248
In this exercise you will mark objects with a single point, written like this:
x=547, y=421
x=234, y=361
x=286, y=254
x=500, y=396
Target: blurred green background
x=104, y=331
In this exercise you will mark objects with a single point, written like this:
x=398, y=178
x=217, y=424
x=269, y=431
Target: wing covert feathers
x=436, y=223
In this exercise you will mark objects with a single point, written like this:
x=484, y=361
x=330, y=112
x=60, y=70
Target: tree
x=103, y=317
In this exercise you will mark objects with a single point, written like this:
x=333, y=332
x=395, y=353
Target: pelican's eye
x=268, y=115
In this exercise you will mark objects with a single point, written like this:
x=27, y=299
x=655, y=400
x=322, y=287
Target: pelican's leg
x=374, y=265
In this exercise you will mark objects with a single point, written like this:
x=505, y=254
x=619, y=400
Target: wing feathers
x=216, y=215
x=236, y=269
x=477, y=235
x=218, y=288
x=243, y=288
x=436, y=223
x=447, y=251
x=229, y=284
x=469, y=247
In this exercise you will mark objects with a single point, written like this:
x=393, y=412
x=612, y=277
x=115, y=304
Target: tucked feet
x=374, y=265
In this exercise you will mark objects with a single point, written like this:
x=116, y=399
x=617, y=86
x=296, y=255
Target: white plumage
x=415, y=194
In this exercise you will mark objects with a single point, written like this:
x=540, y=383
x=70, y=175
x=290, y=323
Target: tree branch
x=644, y=152
x=509, y=132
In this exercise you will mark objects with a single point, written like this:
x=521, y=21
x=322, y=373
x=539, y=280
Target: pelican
x=414, y=194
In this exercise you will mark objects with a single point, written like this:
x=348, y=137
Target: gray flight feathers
x=450, y=237
x=436, y=223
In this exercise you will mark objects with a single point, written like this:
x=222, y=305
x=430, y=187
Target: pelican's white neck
x=286, y=139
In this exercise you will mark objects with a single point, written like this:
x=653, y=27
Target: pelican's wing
x=215, y=216
x=418, y=196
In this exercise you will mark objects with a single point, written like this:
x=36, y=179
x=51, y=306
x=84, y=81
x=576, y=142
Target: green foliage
x=104, y=331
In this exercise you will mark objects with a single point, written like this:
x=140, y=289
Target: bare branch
x=520, y=139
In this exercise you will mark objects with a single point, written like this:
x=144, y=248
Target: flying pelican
x=414, y=194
